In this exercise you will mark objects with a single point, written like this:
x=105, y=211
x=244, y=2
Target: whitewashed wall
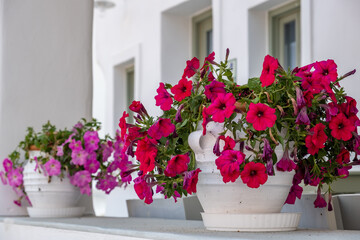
x=156, y=36
x=45, y=70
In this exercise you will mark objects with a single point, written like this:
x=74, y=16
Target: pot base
x=269, y=222
x=56, y=212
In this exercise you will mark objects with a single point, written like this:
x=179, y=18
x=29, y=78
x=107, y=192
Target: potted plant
x=62, y=164
x=261, y=139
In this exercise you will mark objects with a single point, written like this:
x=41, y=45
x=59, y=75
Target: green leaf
x=254, y=84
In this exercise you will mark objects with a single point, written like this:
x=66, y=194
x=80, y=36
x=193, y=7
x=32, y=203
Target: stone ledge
x=140, y=228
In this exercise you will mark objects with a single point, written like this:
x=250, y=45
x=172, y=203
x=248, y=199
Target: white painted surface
x=140, y=228
x=45, y=63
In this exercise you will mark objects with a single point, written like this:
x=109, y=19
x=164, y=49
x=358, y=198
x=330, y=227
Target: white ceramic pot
x=55, y=199
x=234, y=206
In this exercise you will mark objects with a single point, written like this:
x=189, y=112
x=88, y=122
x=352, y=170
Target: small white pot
x=49, y=199
x=249, y=209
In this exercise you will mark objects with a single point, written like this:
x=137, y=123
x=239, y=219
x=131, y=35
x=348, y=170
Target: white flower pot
x=55, y=199
x=234, y=206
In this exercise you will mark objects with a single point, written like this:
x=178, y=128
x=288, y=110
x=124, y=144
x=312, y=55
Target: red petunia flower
x=177, y=165
x=143, y=189
x=182, y=89
x=222, y=107
x=267, y=76
x=317, y=140
x=208, y=59
x=254, y=174
x=229, y=164
x=211, y=77
x=285, y=163
x=146, y=153
x=136, y=106
x=326, y=71
x=213, y=89
x=295, y=192
x=162, y=128
x=341, y=127
x=206, y=120
x=191, y=67
x=343, y=157
x=163, y=99
x=122, y=124
x=261, y=116
x=319, y=201
x=190, y=181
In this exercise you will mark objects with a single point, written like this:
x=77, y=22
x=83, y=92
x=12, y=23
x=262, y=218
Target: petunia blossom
x=319, y=201
x=191, y=67
x=177, y=165
x=190, y=180
x=143, y=190
x=270, y=65
x=182, y=89
x=285, y=163
x=163, y=99
x=146, y=153
x=52, y=167
x=92, y=165
x=261, y=116
x=229, y=164
x=15, y=177
x=341, y=127
x=81, y=178
x=254, y=174
x=222, y=107
x=295, y=192
x=162, y=128
x=79, y=157
x=213, y=89
x=8, y=165
x=122, y=124
x=91, y=140
x=326, y=71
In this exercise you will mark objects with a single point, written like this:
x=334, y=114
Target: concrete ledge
x=140, y=228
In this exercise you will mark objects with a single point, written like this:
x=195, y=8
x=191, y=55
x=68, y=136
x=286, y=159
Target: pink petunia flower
x=52, y=167
x=326, y=71
x=229, y=164
x=222, y=107
x=60, y=151
x=81, y=178
x=261, y=116
x=91, y=140
x=106, y=150
x=341, y=127
x=146, y=153
x=177, y=165
x=107, y=183
x=92, y=165
x=15, y=177
x=79, y=157
x=86, y=190
x=162, y=128
x=190, y=181
x=143, y=190
x=285, y=163
x=8, y=165
x=75, y=145
x=254, y=174
x=191, y=67
x=267, y=76
x=163, y=99
x=182, y=89
x=213, y=89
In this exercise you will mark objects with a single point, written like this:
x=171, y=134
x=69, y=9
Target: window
x=202, y=35
x=130, y=90
x=285, y=31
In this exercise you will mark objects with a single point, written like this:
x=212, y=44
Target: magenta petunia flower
x=208, y=59
x=211, y=77
x=86, y=190
x=229, y=164
x=302, y=118
x=319, y=201
x=163, y=99
x=8, y=165
x=79, y=157
x=261, y=116
x=107, y=183
x=75, y=145
x=146, y=153
x=162, y=128
x=182, y=89
x=60, y=151
x=285, y=163
x=222, y=107
x=15, y=177
x=341, y=127
x=191, y=67
x=190, y=181
x=91, y=140
x=267, y=76
x=143, y=190
x=326, y=71
x=295, y=192
x=213, y=89
x=177, y=165
x=254, y=174
x=106, y=150
x=122, y=124
x=343, y=156
x=136, y=106
x=81, y=178
x=92, y=165
x=52, y=167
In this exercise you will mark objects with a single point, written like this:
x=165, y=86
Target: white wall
x=45, y=63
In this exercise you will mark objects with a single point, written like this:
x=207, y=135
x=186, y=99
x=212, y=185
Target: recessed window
x=130, y=90
x=202, y=35
x=285, y=35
